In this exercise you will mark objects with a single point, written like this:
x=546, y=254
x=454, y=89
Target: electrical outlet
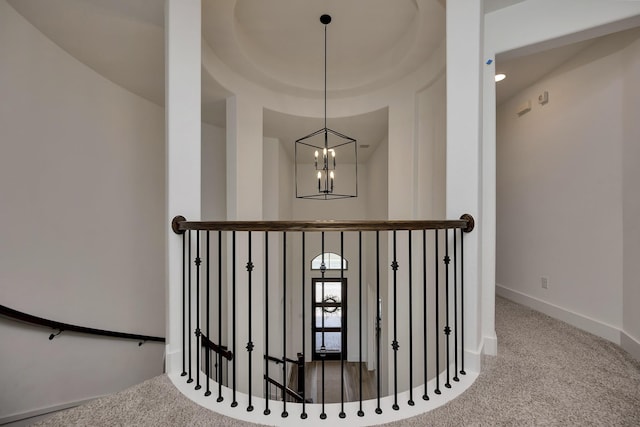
x=544, y=281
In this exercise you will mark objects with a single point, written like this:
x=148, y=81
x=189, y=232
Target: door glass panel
x=332, y=342
x=332, y=319
x=328, y=322
x=332, y=292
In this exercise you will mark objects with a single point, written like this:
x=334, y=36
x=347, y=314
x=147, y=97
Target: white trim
x=490, y=345
x=473, y=359
x=596, y=327
x=630, y=344
x=173, y=360
x=44, y=411
x=331, y=409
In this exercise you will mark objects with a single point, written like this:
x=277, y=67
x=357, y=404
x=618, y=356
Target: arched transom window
x=332, y=261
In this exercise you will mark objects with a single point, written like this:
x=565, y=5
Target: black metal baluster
x=207, y=362
x=425, y=396
x=394, y=345
x=323, y=349
x=410, y=402
x=184, y=309
x=437, y=269
x=208, y=351
x=342, y=328
x=447, y=328
x=360, y=411
x=303, y=415
x=219, y=355
x=284, y=323
x=234, y=403
x=267, y=387
x=378, y=319
x=197, y=332
x=250, y=342
x=455, y=305
x=462, y=372
x=190, y=380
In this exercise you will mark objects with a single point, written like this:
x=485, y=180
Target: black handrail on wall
x=28, y=318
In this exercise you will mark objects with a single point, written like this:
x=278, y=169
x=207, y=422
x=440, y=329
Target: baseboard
x=43, y=411
x=473, y=360
x=490, y=345
x=172, y=361
x=588, y=324
x=630, y=344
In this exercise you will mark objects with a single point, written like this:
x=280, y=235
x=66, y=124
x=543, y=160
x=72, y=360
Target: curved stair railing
x=61, y=327
x=236, y=276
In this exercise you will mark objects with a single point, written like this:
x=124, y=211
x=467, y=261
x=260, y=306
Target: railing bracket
x=52, y=336
x=175, y=224
x=470, y=223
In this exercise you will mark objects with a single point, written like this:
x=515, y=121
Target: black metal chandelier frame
x=325, y=167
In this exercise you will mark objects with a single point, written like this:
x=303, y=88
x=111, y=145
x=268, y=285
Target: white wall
x=631, y=198
x=377, y=182
x=285, y=184
x=514, y=31
x=560, y=189
x=432, y=150
x=340, y=209
x=214, y=173
x=83, y=226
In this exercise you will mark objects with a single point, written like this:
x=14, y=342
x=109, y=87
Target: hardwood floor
x=332, y=389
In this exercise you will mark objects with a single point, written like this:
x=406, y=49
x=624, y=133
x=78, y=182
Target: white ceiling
x=367, y=129
x=275, y=43
x=279, y=44
x=493, y=5
x=524, y=71
x=123, y=40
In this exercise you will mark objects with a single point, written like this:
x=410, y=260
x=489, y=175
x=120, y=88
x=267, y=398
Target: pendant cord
x=325, y=77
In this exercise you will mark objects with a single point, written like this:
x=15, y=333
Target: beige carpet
x=546, y=373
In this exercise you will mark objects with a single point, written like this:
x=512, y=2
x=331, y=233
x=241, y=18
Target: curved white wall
x=82, y=196
x=630, y=339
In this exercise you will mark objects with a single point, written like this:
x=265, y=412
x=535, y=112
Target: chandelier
x=318, y=155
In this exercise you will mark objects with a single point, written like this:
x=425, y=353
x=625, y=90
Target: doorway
x=329, y=323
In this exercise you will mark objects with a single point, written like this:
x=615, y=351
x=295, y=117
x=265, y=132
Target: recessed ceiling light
x=500, y=77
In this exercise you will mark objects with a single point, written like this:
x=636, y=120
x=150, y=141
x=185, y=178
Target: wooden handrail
x=35, y=320
x=279, y=360
x=287, y=390
x=222, y=350
x=180, y=225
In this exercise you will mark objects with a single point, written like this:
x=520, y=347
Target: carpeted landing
x=546, y=373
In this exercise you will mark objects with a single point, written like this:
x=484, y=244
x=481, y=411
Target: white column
x=182, y=89
x=402, y=176
x=402, y=206
x=488, y=224
x=464, y=130
x=244, y=159
x=244, y=203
